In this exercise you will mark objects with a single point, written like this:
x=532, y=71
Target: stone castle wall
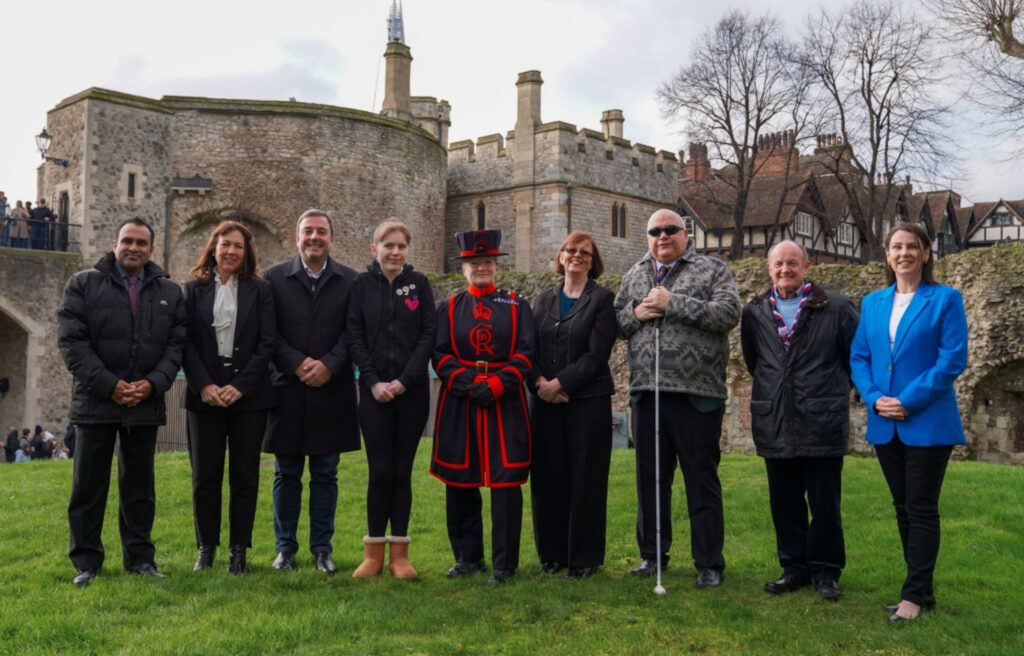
x=577, y=177
x=31, y=288
x=268, y=162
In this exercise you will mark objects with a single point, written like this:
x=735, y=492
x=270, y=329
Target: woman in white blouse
x=231, y=338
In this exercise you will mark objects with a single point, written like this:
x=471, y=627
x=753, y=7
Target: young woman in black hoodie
x=390, y=334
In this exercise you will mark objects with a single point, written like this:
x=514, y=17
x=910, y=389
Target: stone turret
x=398, y=69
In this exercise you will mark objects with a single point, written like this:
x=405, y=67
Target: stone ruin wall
x=990, y=391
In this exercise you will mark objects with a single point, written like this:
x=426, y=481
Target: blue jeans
x=323, y=500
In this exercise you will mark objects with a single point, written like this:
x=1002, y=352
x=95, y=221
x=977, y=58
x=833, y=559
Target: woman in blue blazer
x=910, y=346
x=232, y=333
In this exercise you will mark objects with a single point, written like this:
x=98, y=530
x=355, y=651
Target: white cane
x=659, y=589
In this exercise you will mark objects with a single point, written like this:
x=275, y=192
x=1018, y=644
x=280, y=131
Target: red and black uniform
x=483, y=353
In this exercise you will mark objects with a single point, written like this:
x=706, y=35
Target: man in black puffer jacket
x=122, y=330
x=796, y=344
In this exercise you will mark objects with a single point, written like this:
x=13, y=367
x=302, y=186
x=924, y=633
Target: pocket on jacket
x=760, y=407
x=827, y=419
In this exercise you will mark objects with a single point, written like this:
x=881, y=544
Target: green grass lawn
x=979, y=580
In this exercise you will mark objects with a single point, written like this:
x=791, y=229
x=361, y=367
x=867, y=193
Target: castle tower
x=398, y=68
x=527, y=118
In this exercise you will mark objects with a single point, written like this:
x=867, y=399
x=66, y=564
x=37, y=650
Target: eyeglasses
x=577, y=251
x=668, y=230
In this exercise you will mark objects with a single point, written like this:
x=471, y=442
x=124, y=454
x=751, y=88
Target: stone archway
x=996, y=421
x=271, y=246
x=20, y=347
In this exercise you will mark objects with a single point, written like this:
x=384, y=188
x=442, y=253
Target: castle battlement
x=567, y=154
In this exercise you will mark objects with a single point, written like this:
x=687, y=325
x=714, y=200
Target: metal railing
x=40, y=235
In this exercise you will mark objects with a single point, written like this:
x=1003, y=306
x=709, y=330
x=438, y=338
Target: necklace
x=903, y=300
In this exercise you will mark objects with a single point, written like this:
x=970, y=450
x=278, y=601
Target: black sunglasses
x=668, y=230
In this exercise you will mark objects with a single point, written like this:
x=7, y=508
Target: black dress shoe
x=205, y=558
x=461, y=570
x=829, y=590
x=325, y=564
x=84, y=577
x=500, y=576
x=237, y=564
x=648, y=567
x=708, y=578
x=551, y=567
x=146, y=569
x=580, y=572
x=285, y=561
x=785, y=583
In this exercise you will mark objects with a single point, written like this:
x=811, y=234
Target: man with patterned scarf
x=796, y=344
x=692, y=299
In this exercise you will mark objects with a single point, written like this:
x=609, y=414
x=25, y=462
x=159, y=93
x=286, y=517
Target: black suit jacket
x=576, y=349
x=311, y=323
x=255, y=341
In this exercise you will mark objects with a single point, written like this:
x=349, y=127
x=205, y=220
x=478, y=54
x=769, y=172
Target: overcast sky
x=593, y=55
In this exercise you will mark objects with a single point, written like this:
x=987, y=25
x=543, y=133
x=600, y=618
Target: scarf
x=786, y=332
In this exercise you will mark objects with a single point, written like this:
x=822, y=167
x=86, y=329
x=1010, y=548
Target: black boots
x=237, y=564
x=205, y=558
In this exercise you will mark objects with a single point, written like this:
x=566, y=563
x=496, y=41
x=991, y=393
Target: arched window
x=481, y=216
x=622, y=220
x=615, y=219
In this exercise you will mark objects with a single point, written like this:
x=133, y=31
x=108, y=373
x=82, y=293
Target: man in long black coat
x=316, y=414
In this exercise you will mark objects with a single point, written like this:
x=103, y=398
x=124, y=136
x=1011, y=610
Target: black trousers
x=135, y=488
x=466, y=527
x=209, y=435
x=914, y=475
x=691, y=438
x=572, y=450
x=391, y=432
x=812, y=550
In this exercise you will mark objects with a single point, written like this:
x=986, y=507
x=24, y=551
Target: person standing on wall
x=232, y=334
x=693, y=298
x=42, y=223
x=315, y=418
x=121, y=330
x=392, y=323
x=796, y=345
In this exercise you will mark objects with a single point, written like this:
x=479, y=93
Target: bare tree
x=992, y=20
x=876, y=82
x=743, y=82
x=996, y=74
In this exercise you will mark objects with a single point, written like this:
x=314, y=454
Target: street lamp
x=43, y=140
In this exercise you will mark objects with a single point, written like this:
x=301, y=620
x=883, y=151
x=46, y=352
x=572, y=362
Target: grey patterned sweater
x=704, y=307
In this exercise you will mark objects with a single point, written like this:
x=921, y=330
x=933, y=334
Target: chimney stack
x=611, y=123
x=698, y=168
x=528, y=109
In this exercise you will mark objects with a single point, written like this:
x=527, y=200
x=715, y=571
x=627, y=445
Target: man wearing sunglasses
x=693, y=299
